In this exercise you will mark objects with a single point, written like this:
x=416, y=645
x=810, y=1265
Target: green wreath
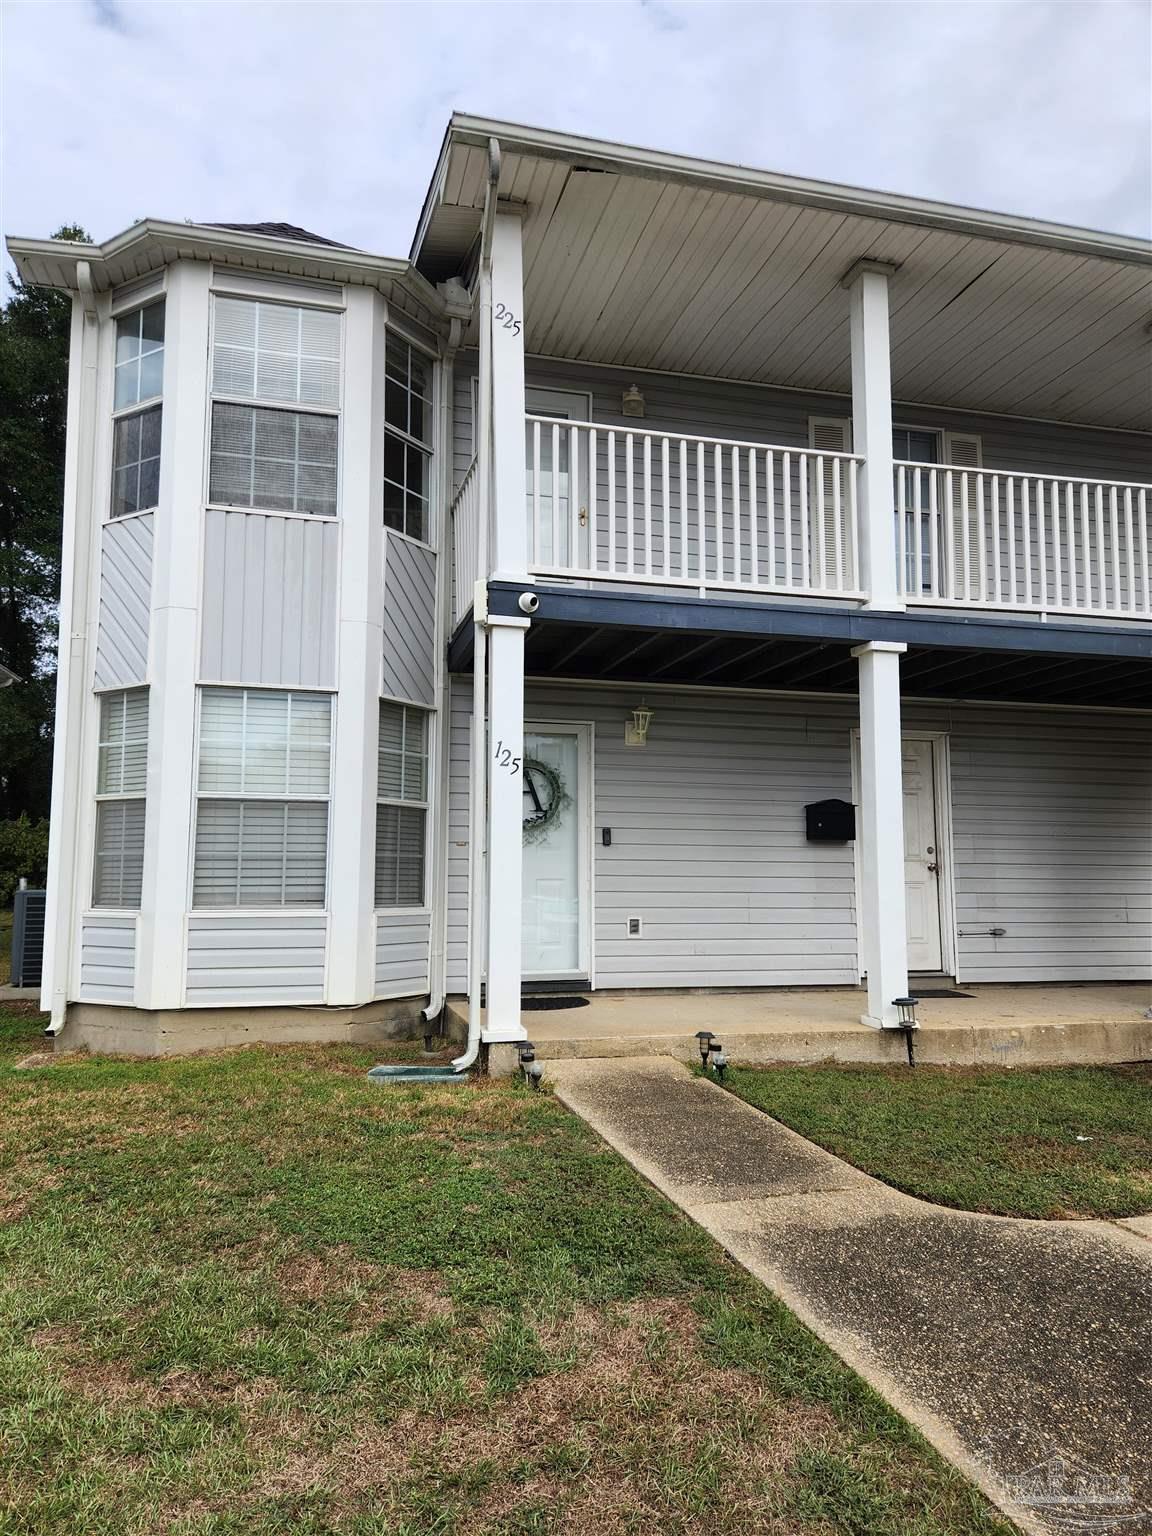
x=547, y=812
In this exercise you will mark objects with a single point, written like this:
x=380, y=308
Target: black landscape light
x=906, y=1008
x=704, y=1042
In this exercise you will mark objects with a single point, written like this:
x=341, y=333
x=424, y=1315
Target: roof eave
x=626, y=158
x=209, y=243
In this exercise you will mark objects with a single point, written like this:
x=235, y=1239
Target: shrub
x=23, y=852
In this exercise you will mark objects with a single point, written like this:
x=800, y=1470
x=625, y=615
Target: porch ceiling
x=638, y=638
x=659, y=262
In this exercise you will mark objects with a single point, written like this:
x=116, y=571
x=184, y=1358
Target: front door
x=556, y=852
x=921, y=856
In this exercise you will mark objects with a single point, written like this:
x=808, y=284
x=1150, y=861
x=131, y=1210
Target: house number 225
x=504, y=759
x=507, y=319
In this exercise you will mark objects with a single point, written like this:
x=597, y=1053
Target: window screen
x=276, y=352
x=407, y=434
x=139, y=356
x=136, y=461
x=283, y=461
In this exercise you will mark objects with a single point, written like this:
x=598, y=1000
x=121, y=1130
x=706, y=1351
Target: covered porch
x=979, y=1025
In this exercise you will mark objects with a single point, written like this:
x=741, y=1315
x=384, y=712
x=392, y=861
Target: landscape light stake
x=704, y=1039
x=906, y=1009
x=719, y=1060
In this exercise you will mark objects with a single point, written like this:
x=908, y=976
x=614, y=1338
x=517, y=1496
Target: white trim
x=228, y=506
x=305, y=293
x=945, y=845
x=585, y=734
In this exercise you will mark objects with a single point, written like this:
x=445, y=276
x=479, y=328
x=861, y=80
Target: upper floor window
x=407, y=438
x=136, y=430
x=266, y=359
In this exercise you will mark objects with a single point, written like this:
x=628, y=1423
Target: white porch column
x=508, y=561
x=867, y=284
x=505, y=827
x=173, y=652
x=509, y=532
x=882, y=922
x=351, y=888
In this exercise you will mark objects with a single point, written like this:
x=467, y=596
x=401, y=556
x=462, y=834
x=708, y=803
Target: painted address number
x=507, y=319
x=504, y=759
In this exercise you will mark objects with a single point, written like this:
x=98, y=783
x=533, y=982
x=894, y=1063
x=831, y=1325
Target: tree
x=34, y=332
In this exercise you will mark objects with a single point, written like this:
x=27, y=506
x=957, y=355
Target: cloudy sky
x=330, y=114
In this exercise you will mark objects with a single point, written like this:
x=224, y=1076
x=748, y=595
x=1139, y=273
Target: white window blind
x=277, y=352
x=264, y=777
x=121, y=776
x=401, y=811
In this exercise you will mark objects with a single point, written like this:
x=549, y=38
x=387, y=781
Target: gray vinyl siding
x=108, y=957
x=409, y=659
x=237, y=958
x=125, y=602
x=1052, y=830
x=402, y=954
x=715, y=408
x=269, y=606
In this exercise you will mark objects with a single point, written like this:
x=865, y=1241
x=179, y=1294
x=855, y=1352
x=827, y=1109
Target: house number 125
x=504, y=759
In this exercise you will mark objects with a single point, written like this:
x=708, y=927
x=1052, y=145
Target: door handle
x=933, y=869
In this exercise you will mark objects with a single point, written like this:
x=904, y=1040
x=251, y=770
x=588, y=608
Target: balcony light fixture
x=636, y=729
x=632, y=401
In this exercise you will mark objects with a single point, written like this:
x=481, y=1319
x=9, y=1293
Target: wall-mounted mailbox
x=830, y=821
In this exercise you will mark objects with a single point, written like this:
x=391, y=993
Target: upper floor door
x=557, y=479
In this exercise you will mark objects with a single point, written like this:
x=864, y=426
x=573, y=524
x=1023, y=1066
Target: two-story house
x=670, y=576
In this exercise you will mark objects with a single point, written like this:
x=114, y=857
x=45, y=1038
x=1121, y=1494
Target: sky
x=330, y=115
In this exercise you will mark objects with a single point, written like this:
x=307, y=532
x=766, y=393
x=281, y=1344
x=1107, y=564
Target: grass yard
x=1047, y=1142
x=254, y=1293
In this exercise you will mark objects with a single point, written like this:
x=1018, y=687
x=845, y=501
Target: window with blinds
x=407, y=438
x=121, y=779
x=402, y=805
x=275, y=409
x=137, y=414
x=263, y=781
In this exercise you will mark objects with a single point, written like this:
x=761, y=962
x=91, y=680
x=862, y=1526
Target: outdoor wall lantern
x=636, y=729
x=632, y=401
x=704, y=1041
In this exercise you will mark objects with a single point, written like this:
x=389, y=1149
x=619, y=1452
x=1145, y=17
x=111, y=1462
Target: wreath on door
x=546, y=796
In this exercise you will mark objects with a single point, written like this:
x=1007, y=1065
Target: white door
x=921, y=857
x=556, y=463
x=556, y=852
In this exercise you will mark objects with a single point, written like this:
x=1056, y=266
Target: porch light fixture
x=632, y=402
x=704, y=1039
x=636, y=729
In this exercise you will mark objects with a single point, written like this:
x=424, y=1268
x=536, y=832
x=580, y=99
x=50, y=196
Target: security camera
x=529, y=602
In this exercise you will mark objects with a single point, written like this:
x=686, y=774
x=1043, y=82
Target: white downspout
x=438, y=957
x=478, y=797
x=72, y=661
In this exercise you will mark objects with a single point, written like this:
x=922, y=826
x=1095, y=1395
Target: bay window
x=139, y=383
x=401, y=805
x=275, y=407
x=121, y=777
x=263, y=782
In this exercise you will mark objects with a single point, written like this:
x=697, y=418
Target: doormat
x=544, y=1004
x=942, y=992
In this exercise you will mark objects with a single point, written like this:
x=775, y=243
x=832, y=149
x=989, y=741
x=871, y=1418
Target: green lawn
x=1055, y=1142
x=256, y=1293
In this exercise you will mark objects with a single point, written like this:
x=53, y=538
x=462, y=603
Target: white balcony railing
x=659, y=508
x=465, y=542
x=982, y=538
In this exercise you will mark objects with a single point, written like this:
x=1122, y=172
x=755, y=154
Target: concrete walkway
x=1021, y=1349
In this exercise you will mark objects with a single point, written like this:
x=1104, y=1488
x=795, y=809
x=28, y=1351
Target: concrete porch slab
x=1022, y=1025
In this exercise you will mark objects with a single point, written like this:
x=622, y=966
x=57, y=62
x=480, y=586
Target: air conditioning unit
x=28, y=938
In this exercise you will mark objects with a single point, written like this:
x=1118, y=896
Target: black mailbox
x=830, y=821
